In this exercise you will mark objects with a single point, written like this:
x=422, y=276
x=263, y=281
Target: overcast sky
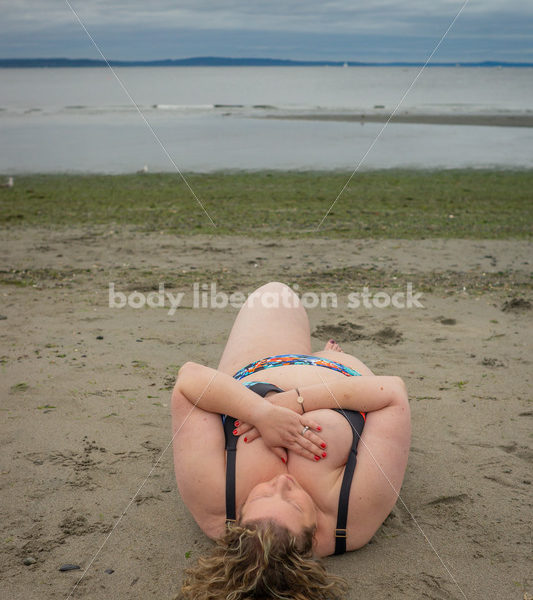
x=375, y=30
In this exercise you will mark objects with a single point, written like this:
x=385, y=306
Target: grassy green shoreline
x=475, y=204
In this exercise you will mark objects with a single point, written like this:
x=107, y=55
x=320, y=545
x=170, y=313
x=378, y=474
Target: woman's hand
x=285, y=399
x=283, y=429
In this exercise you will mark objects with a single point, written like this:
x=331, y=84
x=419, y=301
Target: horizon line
x=213, y=60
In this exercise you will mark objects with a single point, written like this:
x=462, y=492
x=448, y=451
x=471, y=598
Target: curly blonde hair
x=261, y=560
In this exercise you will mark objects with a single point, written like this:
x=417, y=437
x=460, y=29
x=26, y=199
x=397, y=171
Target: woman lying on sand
x=285, y=479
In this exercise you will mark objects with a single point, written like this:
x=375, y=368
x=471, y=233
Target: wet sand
x=487, y=120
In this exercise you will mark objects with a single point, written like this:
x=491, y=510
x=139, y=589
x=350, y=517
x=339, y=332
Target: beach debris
x=29, y=560
x=516, y=304
x=168, y=382
x=19, y=387
x=69, y=567
x=492, y=362
x=3, y=317
x=446, y=321
x=109, y=571
x=99, y=337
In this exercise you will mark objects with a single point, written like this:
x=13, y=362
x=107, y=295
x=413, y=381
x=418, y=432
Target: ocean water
x=205, y=119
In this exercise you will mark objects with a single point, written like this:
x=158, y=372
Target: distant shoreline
x=488, y=120
x=214, y=61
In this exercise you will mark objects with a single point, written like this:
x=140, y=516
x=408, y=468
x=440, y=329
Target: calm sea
x=81, y=120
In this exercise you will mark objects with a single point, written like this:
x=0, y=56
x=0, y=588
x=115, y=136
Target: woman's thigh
x=272, y=321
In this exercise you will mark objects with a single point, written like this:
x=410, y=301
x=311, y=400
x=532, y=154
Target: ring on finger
x=305, y=429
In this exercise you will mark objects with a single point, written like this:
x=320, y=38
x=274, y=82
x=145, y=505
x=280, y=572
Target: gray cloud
x=261, y=28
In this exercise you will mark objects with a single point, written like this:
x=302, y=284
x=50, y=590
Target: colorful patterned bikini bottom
x=282, y=360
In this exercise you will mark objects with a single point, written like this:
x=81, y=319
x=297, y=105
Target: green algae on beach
x=480, y=204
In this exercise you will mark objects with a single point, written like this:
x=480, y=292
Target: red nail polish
x=317, y=457
x=237, y=423
x=324, y=455
x=322, y=445
x=245, y=439
x=283, y=460
x=319, y=428
x=235, y=432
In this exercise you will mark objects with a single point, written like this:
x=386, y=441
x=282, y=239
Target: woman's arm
x=217, y=392
x=365, y=393
x=382, y=455
x=199, y=463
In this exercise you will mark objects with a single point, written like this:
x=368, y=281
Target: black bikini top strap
x=357, y=422
x=231, y=451
x=231, y=457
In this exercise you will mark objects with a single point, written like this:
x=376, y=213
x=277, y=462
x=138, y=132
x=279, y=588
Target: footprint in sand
x=387, y=335
x=522, y=452
x=447, y=509
x=447, y=500
x=395, y=520
x=344, y=331
x=77, y=524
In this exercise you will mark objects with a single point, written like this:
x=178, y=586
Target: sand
x=383, y=116
x=85, y=406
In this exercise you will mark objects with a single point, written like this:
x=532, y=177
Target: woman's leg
x=272, y=321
